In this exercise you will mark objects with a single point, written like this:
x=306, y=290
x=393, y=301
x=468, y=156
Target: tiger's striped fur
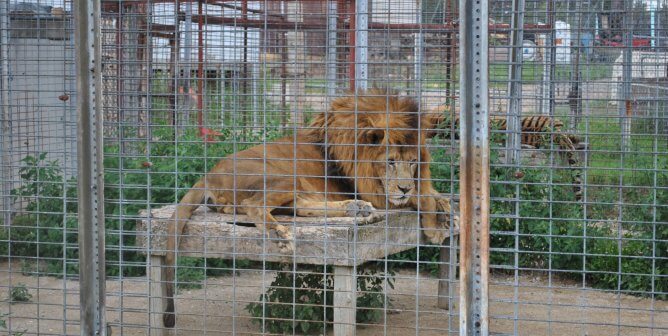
x=536, y=131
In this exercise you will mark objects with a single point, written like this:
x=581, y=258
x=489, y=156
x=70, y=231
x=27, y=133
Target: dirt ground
x=572, y=310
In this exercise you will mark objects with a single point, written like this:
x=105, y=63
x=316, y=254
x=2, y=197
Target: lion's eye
x=391, y=162
x=414, y=161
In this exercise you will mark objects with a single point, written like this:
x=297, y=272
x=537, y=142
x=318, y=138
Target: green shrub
x=19, y=293
x=548, y=230
x=302, y=302
x=47, y=226
x=165, y=171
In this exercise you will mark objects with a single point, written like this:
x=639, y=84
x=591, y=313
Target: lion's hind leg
x=215, y=201
x=259, y=208
x=223, y=205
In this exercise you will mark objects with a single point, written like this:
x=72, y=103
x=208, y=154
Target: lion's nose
x=405, y=190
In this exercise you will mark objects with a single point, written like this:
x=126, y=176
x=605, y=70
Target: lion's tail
x=184, y=210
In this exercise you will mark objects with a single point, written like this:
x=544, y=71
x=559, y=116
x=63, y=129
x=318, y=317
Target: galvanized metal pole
x=418, y=51
x=575, y=92
x=625, y=106
x=474, y=167
x=90, y=169
x=361, y=44
x=331, y=47
x=6, y=130
x=515, y=82
x=549, y=66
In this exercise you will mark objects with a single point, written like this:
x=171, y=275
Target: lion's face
x=390, y=154
x=398, y=174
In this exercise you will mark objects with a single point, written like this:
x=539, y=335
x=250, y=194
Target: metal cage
x=532, y=135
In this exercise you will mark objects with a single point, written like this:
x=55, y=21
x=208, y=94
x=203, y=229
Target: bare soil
x=536, y=305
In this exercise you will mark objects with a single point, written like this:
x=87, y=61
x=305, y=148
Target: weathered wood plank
x=341, y=241
x=158, y=293
x=444, y=276
x=345, y=301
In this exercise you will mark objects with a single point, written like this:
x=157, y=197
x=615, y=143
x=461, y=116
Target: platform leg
x=158, y=294
x=345, y=301
x=447, y=271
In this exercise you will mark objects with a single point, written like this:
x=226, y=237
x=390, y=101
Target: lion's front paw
x=359, y=208
x=435, y=235
x=443, y=212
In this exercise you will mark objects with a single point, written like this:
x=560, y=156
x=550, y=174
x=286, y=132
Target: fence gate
x=340, y=167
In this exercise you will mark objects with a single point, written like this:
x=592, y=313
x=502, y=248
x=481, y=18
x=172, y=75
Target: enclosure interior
x=578, y=162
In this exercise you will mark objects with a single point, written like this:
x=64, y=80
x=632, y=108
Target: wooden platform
x=342, y=242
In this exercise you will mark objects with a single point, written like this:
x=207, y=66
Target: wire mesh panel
x=578, y=209
x=266, y=112
x=38, y=239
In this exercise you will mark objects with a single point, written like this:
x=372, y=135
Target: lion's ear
x=373, y=137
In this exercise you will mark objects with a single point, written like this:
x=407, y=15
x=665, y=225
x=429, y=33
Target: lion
x=367, y=152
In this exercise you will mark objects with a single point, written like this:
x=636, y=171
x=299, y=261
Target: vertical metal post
x=361, y=44
x=450, y=56
x=90, y=178
x=175, y=70
x=418, y=51
x=625, y=107
x=515, y=82
x=550, y=57
x=652, y=6
x=6, y=121
x=187, y=41
x=184, y=69
x=244, y=66
x=474, y=167
x=575, y=92
x=331, y=47
x=200, y=69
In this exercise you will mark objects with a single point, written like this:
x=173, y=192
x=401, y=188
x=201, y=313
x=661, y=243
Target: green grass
x=532, y=73
x=609, y=165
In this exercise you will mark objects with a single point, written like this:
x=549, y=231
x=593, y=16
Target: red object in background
x=641, y=41
x=208, y=134
x=637, y=42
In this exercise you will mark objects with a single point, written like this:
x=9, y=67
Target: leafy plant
x=169, y=166
x=47, y=226
x=19, y=293
x=302, y=302
x=545, y=229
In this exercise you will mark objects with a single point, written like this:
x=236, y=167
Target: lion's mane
x=353, y=141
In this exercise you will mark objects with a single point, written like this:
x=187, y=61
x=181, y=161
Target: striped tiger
x=537, y=131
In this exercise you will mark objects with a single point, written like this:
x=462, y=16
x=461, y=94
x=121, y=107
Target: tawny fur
x=371, y=147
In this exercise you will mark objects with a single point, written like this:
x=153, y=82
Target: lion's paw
x=443, y=205
x=444, y=210
x=435, y=236
x=359, y=208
